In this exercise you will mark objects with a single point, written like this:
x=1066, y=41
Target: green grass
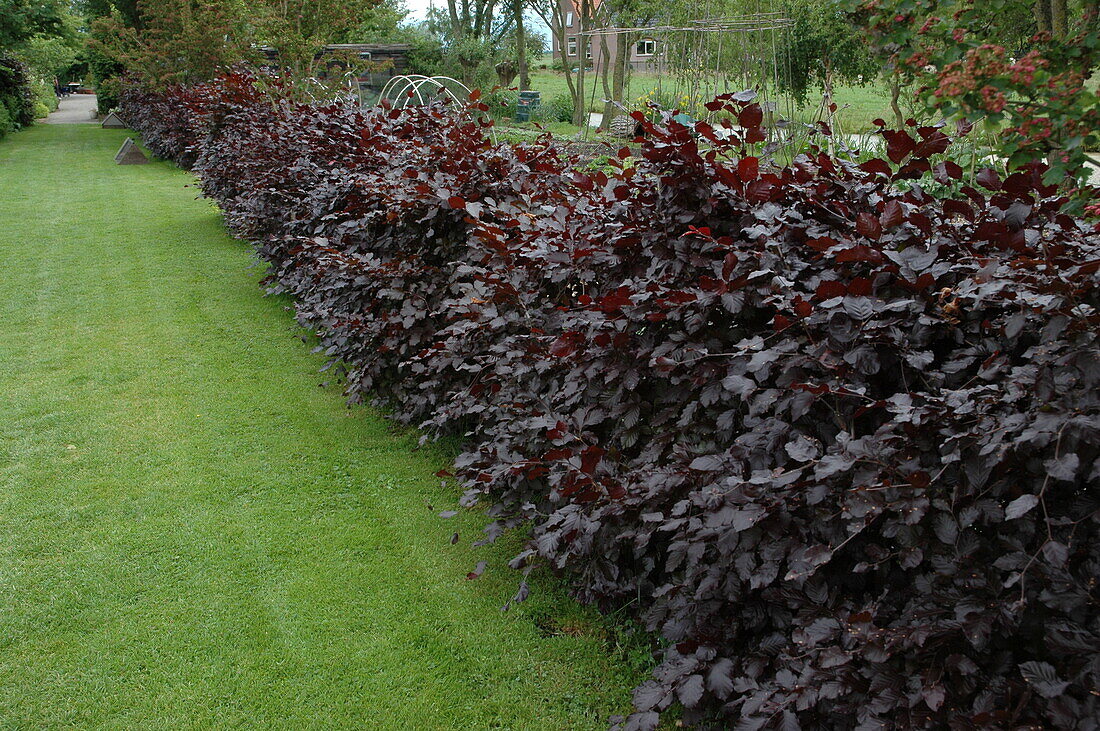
x=858, y=105
x=193, y=534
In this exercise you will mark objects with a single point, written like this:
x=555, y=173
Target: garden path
x=74, y=109
x=192, y=533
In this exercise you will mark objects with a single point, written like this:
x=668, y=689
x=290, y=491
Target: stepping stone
x=130, y=154
x=113, y=121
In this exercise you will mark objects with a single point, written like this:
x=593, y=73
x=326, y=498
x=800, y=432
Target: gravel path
x=74, y=109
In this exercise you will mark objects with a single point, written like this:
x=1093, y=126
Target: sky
x=419, y=8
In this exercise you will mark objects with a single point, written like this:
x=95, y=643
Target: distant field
x=857, y=105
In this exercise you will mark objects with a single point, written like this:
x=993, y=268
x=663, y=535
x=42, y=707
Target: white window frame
x=569, y=20
x=646, y=43
x=571, y=46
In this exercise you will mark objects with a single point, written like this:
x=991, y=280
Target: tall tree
x=615, y=68
x=128, y=11
x=299, y=29
x=473, y=32
x=21, y=20
x=177, y=41
x=553, y=15
x=518, y=8
x=385, y=22
x=822, y=48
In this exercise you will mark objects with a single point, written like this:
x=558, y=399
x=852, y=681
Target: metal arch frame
x=397, y=90
x=399, y=87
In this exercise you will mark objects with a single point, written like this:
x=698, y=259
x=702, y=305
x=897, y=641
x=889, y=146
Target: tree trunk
x=604, y=64
x=521, y=46
x=895, y=94
x=469, y=70
x=830, y=118
x=1042, y=16
x=1059, y=22
x=618, y=79
x=580, y=113
x=506, y=72
x=456, y=25
x=556, y=21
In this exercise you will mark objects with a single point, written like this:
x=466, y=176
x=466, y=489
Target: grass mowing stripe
x=192, y=533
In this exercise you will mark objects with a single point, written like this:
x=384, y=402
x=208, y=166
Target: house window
x=569, y=20
x=588, y=51
x=647, y=47
x=572, y=46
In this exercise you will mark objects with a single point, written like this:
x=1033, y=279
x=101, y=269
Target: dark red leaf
x=893, y=214
x=748, y=168
x=751, y=116
x=860, y=253
x=868, y=225
x=590, y=458
x=989, y=179
x=831, y=288
x=898, y=145
x=877, y=165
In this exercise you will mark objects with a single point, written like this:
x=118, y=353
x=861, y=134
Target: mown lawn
x=193, y=534
x=857, y=105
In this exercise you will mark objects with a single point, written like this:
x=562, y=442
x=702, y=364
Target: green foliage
x=23, y=19
x=16, y=96
x=184, y=41
x=46, y=38
x=475, y=35
x=48, y=57
x=44, y=96
x=104, y=72
x=535, y=44
x=381, y=23
x=466, y=56
x=178, y=41
x=7, y=126
x=501, y=102
x=299, y=29
x=384, y=23
x=38, y=41
x=559, y=108
x=129, y=11
x=425, y=54
x=1040, y=100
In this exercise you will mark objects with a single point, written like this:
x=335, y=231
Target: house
x=645, y=51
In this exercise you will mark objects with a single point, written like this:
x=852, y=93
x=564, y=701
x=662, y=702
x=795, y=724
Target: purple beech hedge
x=833, y=440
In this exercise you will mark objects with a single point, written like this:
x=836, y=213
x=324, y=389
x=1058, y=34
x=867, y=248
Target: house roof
x=576, y=5
x=357, y=47
x=375, y=49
